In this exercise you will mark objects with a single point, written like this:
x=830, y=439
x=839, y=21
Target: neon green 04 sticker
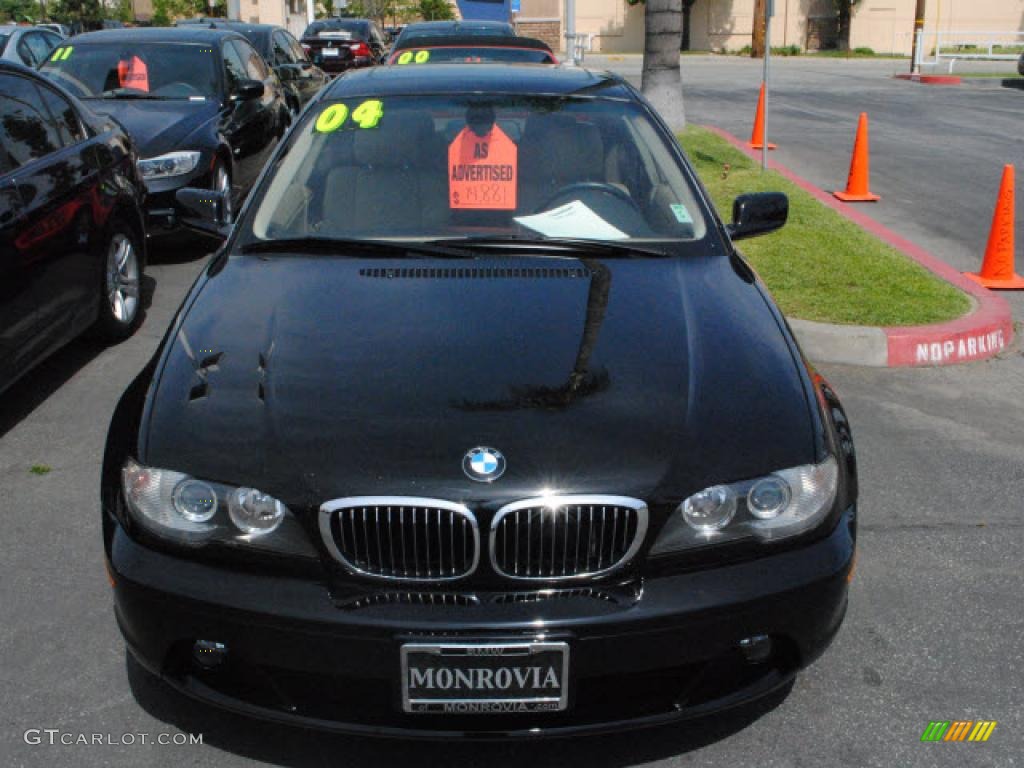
x=366, y=115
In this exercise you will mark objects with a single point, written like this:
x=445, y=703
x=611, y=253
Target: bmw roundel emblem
x=485, y=465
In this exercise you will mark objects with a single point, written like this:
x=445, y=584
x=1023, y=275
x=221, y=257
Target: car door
x=44, y=251
x=250, y=125
x=34, y=47
x=304, y=78
x=17, y=303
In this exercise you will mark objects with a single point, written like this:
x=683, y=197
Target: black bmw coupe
x=478, y=424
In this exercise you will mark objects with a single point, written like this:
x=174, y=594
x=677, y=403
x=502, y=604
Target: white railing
x=935, y=47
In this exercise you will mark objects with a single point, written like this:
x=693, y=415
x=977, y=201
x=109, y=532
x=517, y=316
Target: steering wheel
x=590, y=186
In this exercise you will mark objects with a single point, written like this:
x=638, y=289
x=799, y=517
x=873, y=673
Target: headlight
x=188, y=511
x=783, y=504
x=171, y=164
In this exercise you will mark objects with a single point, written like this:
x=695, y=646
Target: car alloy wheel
x=122, y=280
x=222, y=184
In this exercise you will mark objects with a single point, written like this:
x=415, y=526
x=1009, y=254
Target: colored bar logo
x=958, y=730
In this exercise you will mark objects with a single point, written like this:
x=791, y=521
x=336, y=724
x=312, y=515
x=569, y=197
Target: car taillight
x=307, y=48
x=360, y=49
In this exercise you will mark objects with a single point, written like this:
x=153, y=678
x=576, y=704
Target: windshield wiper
x=128, y=93
x=574, y=245
x=338, y=246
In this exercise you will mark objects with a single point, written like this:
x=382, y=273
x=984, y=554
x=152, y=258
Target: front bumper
x=295, y=655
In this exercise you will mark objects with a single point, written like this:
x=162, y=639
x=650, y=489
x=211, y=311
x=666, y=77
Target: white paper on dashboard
x=572, y=220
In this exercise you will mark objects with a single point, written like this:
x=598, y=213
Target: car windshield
x=319, y=28
x=460, y=54
x=135, y=70
x=478, y=166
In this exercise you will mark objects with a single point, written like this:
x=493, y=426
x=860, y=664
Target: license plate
x=330, y=51
x=485, y=678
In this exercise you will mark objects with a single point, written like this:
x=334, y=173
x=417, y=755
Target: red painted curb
x=932, y=79
x=977, y=335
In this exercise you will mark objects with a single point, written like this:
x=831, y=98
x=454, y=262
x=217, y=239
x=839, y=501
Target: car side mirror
x=249, y=90
x=758, y=214
x=203, y=211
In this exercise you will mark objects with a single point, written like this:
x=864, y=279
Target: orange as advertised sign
x=133, y=74
x=482, y=171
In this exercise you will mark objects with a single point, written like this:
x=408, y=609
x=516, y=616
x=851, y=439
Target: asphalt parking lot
x=935, y=621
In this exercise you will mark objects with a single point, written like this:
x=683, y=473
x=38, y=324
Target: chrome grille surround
x=619, y=519
x=364, y=533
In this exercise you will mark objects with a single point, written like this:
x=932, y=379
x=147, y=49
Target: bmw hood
x=314, y=378
x=157, y=127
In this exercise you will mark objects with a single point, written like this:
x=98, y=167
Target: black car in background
x=339, y=44
x=27, y=45
x=479, y=424
x=300, y=78
x=453, y=29
x=472, y=49
x=202, y=106
x=72, y=244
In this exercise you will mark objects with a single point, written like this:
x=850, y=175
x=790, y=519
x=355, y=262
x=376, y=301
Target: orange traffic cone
x=857, y=182
x=997, y=268
x=758, y=133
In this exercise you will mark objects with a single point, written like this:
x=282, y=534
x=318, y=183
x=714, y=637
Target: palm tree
x=661, y=82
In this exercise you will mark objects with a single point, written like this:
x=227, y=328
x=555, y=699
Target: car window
x=297, y=52
x=255, y=67
x=474, y=54
x=430, y=166
x=26, y=132
x=282, y=51
x=234, y=67
x=135, y=70
x=64, y=116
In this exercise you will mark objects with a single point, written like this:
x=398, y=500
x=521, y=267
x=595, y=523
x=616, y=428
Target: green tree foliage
x=436, y=10
x=19, y=10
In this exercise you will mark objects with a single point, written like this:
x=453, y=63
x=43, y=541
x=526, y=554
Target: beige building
x=885, y=26
x=290, y=14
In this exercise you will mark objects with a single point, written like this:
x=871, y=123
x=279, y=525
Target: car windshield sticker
x=405, y=58
x=133, y=74
x=62, y=54
x=422, y=57
x=366, y=115
x=572, y=220
x=332, y=118
x=483, y=170
x=682, y=215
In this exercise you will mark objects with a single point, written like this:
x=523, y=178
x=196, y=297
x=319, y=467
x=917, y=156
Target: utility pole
x=915, y=54
x=570, y=30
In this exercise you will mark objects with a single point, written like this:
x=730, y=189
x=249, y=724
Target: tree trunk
x=844, y=25
x=661, y=81
x=684, y=44
x=757, y=36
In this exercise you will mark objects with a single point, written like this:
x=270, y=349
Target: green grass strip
x=821, y=266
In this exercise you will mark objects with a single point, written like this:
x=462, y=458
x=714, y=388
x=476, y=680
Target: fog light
x=209, y=653
x=756, y=648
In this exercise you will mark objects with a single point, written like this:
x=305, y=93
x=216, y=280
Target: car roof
x=525, y=79
x=455, y=26
x=473, y=41
x=190, y=33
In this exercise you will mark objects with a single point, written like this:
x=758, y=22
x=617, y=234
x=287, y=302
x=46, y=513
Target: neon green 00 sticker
x=422, y=57
x=405, y=58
